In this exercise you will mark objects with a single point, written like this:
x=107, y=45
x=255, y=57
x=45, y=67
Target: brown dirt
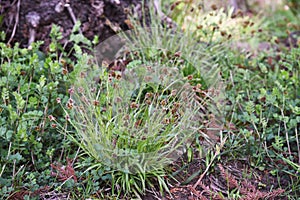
x=98, y=17
x=235, y=176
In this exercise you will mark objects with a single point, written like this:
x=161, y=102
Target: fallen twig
x=217, y=152
x=68, y=6
x=16, y=22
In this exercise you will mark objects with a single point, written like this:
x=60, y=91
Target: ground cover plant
x=192, y=109
x=259, y=70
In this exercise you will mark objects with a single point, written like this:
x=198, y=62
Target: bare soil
x=27, y=20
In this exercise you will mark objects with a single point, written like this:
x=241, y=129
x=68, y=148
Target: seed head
x=173, y=92
x=118, y=99
x=134, y=105
x=148, y=95
x=80, y=90
x=148, y=78
x=51, y=118
x=163, y=102
x=70, y=103
x=148, y=102
x=166, y=121
x=71, y=91
x=96, y=103
x=65, y=71
x=58, y=100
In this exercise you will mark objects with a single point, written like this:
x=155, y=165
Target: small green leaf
x=9, y=134
x=20, y=101
x=17, y=157
x=2, y=131
x=76, y=26
x=190, y=154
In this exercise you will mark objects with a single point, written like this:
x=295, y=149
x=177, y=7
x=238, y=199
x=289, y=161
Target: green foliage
x=135, y=124
x=281, y=23
x=215, y=25
x=138, y=122
x=174, y=47
x=266, y=108
x=294, y=5
x=130, y=126
x=31, y=83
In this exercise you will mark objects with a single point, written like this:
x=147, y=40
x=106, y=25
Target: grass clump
x=135, y=122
